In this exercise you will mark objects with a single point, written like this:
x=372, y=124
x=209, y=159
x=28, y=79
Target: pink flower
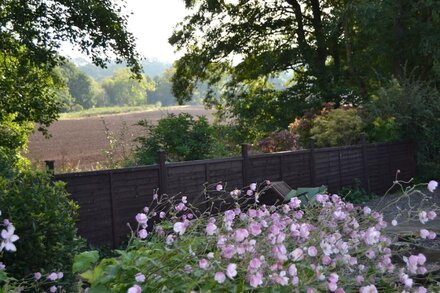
x=294, y=203
x=235, y=193
x=281, y=278
x=179, y=228
x=256, y=280
x=371, y=236
x=155, y=196
x=180, y=207
x=253, y=186
x=249, y=192
x=321, y=198
x=334, y=278
x=231, y=270
x=254, y=264
x=142, y=233
x=170, y=239
x=370, y=254
x=326, y=260
x=203, y=264
x=135, y=289
x=228, y=251
x=219, y=187
x=210, y=229
x=292, y=270
x=332, y=286
x=420, y=290
x=297, y=254
x=37, y=276
x=394, y=222
x=432, y=235
x=432, y=215
x=241, y=234
x=312, y=251
x=60, y=275
x=423, y=217
x=421, y=259
x=229, y=216
x=359, y=280
x=8, y=239
x=52, y=276
x=255, y=229
x=367, y=210
x=53, y=289
x=184, y=199
x=405, y=280
x=368, y=289
x=424, y=233
x=139, y=277
x=162, y=215
x=432, y=185
x=142, y=218
x=280, y=252
x=220, y=277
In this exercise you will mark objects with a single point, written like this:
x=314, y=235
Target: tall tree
x=122, y=90
x=31, y=34
x=336, y=49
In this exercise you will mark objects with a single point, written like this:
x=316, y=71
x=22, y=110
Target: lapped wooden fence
x=110, y=199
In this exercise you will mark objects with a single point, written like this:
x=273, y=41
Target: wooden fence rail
x=110, y=199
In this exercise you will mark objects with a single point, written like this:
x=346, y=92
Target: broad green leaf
x=83, y=261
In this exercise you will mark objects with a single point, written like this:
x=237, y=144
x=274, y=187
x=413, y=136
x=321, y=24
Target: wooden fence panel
x=95, y=212
x=187, y=180
x=352, y=168
x=132, y=192
x=229, y=172
x=327, y=168
x=296, y=169
x=263, y=168
x=110, y=199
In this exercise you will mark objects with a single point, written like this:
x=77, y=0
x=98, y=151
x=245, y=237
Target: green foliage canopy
x=335, y=49
x=31, y=33
x=182, y=137
x=121, y=89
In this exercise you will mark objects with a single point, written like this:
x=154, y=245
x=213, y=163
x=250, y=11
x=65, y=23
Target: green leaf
x=83, y=261
x=3, y=276
x=98, y=289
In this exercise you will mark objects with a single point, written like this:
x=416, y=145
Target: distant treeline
x=85, y=86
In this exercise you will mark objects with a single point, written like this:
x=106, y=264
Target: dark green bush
x=383, y=130
x=182, y=137
x=44, y=218
x=415, y=106
x=337, y=127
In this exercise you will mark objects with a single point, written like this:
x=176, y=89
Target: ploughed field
x=79, y=144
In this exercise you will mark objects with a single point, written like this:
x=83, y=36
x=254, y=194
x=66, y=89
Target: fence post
x=245, y=162
x=163, y=177
x=312, y=162
x=365, y=163
x=50, y=166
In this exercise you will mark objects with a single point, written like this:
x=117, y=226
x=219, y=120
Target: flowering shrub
x=44, y=217
x=328, y=245
x=279, y=141
x=36, y=282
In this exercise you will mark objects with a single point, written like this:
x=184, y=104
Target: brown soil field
x=79, y=144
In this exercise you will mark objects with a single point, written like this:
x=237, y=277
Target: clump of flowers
x=36, y=282
x=327, y=246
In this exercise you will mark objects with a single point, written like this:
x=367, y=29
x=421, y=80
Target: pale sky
x=152, y=24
